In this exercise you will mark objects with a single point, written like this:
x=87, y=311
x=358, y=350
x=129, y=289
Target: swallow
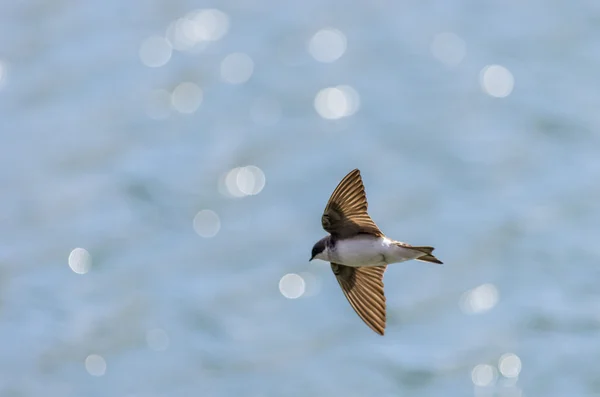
x=359, y=252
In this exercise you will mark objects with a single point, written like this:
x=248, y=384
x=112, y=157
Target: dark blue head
x=318, y=248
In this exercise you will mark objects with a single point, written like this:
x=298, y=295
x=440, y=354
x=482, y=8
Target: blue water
x=506, y=189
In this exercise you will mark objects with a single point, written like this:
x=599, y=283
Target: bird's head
x=319, y=250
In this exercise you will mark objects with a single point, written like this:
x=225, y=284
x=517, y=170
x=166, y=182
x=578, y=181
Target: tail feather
x=428, y=257
x=425, y=250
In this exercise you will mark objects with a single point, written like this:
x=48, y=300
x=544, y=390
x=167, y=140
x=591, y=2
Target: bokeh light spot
x=80, y=261
x=155, y=51
x=496, y=81
x=244, y=181
x=209, y=24
x=291, y=286
x=448, y=48
x=327, y=45
x=158, y=106
x=180, y=34
x=186, y=97
x=250, y=180
x=157, y=339
x=509, y=365
x=197, y=28
x=207, y=223
x=95, y=365
x=237, y=68
x=483, y=375
x=231, y=185
x=337, y=102
x=479, y=299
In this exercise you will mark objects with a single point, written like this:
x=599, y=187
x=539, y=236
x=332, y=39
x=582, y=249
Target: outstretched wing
x=363, y=287
x=346, y=212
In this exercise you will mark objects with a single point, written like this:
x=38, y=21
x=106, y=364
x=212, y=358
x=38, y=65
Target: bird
x=359, y=252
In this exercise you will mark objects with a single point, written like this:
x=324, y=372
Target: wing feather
x=346, y=212
x=363, y=287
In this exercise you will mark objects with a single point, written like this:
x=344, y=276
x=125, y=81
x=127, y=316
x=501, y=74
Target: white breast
x=360, y=251
x=371, y=251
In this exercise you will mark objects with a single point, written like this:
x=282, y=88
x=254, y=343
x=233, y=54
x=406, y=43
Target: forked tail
x=428, y=257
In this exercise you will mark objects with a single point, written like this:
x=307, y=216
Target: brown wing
x=346, y=212
x=363, y=287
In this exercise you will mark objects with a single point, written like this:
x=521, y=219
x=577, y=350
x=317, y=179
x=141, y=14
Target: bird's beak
x=311, y=258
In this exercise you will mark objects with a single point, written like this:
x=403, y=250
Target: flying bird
x=359, y=252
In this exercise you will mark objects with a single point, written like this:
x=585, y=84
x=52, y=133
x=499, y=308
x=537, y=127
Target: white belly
x=371, y=251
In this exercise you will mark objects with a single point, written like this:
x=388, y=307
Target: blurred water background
x=165, y=165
